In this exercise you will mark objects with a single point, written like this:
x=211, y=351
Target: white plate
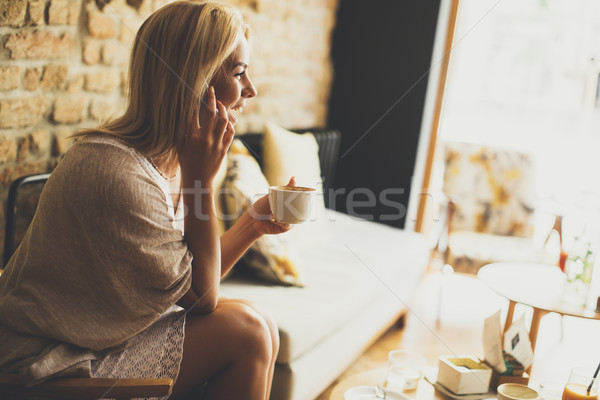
x=368, y=393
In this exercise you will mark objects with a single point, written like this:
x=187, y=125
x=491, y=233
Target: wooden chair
x=12, y=386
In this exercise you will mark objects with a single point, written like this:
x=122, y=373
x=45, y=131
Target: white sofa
x=359, y=279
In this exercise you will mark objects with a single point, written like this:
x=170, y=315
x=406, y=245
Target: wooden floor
x=466, y=303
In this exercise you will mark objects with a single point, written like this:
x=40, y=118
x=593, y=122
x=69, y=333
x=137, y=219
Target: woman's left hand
x=262, y=218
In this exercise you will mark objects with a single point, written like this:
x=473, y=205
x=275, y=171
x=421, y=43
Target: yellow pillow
x=287, y=154
x=272, y=257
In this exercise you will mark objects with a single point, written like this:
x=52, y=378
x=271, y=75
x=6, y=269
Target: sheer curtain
x=524, y=74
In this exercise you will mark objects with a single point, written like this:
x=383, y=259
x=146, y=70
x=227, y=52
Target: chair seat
x=469, y=251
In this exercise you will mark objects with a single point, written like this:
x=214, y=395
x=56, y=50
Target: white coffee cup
x=291, y=204
x=516, y=391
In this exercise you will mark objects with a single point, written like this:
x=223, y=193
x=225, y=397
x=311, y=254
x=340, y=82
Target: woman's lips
x=239, y=107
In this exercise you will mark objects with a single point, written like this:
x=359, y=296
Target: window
x=524, y=74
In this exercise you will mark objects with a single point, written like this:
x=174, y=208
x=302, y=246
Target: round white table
x=539, y=286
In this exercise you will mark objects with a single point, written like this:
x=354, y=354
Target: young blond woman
x=119, y=272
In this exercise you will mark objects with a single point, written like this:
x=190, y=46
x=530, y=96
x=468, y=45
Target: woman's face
x=232, y=83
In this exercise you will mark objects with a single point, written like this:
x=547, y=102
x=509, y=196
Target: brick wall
x=63, y=66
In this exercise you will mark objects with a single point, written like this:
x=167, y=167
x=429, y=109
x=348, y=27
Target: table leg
x=533, y=330
x=535, y=325
x=509, y=315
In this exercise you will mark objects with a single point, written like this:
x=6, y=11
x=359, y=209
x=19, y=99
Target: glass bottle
x=578, y=270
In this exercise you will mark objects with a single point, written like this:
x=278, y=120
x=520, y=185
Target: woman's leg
x=273, y=330
x=231, y=348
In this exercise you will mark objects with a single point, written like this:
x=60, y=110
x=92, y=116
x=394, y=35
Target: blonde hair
x=176, y=53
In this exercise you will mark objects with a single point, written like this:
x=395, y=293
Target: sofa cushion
x=358, y=264
x=288, y=154
x=272, y=257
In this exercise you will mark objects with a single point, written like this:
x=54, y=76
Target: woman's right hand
x=208, y=138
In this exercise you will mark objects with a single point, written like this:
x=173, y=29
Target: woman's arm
x=207, y=142
x=236, y=240
x=209, y=138
x=202, y=237
x=254, y=222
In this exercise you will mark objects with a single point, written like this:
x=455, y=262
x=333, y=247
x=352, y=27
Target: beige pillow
x=272, y=258
x=287, y=154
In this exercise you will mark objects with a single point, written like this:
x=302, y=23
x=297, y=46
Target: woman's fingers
x=222, y=119
x=211, y=100
x=292, y=181
x=213, y=120
x=228, y=135
x=196, y=119
x=208, y=139
x=208, y=109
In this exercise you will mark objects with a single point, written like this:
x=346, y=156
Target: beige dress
x=91, y=289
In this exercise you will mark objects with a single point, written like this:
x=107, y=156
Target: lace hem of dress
x=153, y=353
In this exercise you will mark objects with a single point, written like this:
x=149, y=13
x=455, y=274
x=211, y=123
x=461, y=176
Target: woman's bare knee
x=254, y=335
x=234, y=338
x=271, y=324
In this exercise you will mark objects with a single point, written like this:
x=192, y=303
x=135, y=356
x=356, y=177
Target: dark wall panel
x=382, y=54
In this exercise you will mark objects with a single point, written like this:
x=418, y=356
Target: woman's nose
x=249, y=90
